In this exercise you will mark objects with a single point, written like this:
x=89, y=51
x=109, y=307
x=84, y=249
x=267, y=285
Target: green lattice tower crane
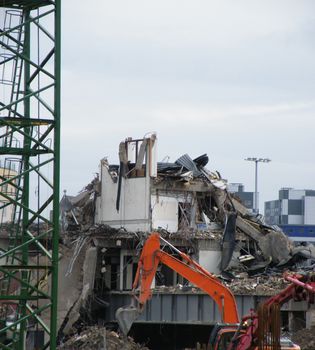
x=29, y=172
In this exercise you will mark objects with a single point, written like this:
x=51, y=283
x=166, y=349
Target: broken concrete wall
x=125, y=189
x=69, y=286
x=210, y=260
x=183, y=192
x=84, y=289
x=173, y=211
x=134, y=210
x=89, y=269
x=164, y=213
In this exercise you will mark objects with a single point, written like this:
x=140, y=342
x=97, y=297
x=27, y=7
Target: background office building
x=294, y=212
x=247, y=198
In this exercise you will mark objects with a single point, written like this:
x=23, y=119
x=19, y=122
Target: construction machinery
x=260, y=330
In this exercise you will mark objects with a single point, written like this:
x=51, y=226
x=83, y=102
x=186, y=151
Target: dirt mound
x=98, y=338
x=305, y=338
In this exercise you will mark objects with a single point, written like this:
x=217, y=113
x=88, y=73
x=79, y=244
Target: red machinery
x=259, y=330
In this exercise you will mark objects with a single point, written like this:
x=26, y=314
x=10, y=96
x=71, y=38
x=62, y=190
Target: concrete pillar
x=121, y=270
x=296, y=320
x=89, y=270
x=193, y=212
x=129, y=280
x=310, y=317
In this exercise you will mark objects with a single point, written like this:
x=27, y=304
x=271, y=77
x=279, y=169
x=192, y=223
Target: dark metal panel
x=156, y=308
x=189, y=308
x=166, y=306
x=189, y=164
x=295, y=207
x=181, y=308
x=209, y=309
x=192, y=308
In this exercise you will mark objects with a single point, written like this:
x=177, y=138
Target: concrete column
x=129, y=280
x=193, y=213
x=89, y=270
x=121, y=270
x=310, y=317
x=296, y=320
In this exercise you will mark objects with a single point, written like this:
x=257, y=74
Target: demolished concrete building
x=106, y=224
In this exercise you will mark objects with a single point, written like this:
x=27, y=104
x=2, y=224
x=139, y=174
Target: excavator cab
x=221, y=336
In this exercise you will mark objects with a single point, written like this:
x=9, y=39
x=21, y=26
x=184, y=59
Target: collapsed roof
x=220, y=214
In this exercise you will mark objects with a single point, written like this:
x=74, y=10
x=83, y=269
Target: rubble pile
x=77, y=212
x=218, y=215
x=189, y=233
x=254, y=255
x=261, y=285
x=99, y=338
x=305, y=338
x=192, y=208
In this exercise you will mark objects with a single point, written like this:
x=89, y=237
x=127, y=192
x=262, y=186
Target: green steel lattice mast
x=29, y=177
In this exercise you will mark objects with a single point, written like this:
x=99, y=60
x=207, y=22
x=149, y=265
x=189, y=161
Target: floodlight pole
x=257, y=160
x=256, y=187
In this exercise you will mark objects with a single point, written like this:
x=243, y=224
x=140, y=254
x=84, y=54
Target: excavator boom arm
x=218, y=292
x=152, y=256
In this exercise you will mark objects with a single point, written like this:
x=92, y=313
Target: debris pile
x=218, y=215
x=261, y=285
x=77, y=212
x=99, y=338
x=191, y=207
x=305, y=338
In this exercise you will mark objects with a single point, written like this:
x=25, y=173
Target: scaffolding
x=29, y=172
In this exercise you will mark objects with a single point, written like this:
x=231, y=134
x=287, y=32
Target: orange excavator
x=260, y=330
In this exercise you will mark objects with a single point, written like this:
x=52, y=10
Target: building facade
x=247, y=198
x=294, y=212
x=188, y=205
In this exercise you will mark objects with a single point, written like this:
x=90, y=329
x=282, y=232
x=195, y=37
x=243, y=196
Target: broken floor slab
x=187, y=203
x=84, y=289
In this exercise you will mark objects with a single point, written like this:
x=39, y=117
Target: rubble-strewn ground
x=305, y=338
x=98, y=338
x=254, y=255
x=242, y=285
x=261, y=285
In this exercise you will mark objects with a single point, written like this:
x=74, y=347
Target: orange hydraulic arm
x=149, y=260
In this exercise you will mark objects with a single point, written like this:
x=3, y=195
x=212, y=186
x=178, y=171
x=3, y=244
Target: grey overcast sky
x=232, y=79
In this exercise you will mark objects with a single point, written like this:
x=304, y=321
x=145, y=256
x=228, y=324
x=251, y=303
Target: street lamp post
x=257, y=160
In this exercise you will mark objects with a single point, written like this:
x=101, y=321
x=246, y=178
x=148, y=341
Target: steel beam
x=29, y=130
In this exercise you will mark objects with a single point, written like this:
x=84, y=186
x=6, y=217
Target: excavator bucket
x=125, y=317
